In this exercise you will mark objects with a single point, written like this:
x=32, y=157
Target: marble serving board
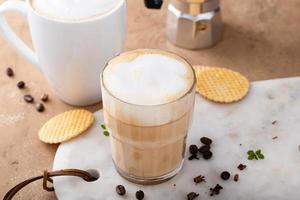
x=235, y=129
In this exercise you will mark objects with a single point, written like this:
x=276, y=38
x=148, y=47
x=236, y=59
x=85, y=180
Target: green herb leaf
x=251, y=157
x=258, y=152
x=103, y=126
x=106, y=133
x=255, y=155
x=261, y=156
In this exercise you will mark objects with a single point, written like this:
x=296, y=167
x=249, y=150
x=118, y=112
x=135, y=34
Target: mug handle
x=10, y=35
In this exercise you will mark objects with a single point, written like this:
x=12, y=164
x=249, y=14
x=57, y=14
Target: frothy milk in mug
x=73, y=10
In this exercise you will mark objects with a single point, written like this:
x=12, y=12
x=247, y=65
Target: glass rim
x=155, y=105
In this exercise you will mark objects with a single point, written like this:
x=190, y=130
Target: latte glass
x=148, y=142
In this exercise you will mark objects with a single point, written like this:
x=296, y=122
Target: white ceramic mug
x=70, y=54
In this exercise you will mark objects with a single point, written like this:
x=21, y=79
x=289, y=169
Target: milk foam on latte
x=73, y=9
x=148, y=78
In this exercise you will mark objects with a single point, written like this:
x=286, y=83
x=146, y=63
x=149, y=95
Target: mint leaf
x=106, y=133
x=261, y=156
x=257, y=155
x=251, y=157
x=103, y=126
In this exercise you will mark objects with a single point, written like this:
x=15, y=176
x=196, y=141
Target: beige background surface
x=261, y=41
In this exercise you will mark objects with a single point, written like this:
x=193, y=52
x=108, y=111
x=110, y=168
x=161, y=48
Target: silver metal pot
x=193, y=24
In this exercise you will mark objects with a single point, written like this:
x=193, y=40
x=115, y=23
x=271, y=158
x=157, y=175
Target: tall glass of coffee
x=148, y=99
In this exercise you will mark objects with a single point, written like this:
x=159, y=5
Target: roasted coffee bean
x=206, y=140
x=225, y=175
x=207, y=155
x=192, y=196
x=242, y=167
x=236, y=178
x=204, y=148
x=39, y=107
x=193, y=149
x=216, y=190
x=153, y=4
x=193, y=156
x=9, y=72
x=120, y=189
x=199, y=179
x=44, y=97
x=21, y=84
x=139, y=195
x=28, y=98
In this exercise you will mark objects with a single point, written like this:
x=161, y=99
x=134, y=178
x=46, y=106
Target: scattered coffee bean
x=274, y=122
x=225, y=175
x=193, y=149
x=120, y=189
x=207, y=155
x=21, y=84
x=44, y=97
x=241, y=144
x=274, y=138
x=199, y=179
x=9, y=72
x=299, y=147
x=204, y=148
x=139, y=195
x=192, y=196
x=236, y=178
x=28, y=98
x=39, y=107
x=242, y=167
x=206, y=140
x=216, y=190
x=193, y=156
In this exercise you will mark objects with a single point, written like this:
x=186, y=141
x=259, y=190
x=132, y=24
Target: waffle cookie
x=221, y=85
x=66, y=126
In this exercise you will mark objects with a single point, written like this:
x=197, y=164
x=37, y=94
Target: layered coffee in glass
x=148, y=99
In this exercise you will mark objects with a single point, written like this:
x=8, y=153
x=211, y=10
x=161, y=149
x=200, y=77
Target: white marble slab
x=248, y=122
